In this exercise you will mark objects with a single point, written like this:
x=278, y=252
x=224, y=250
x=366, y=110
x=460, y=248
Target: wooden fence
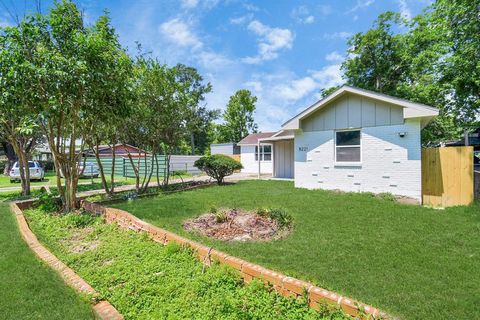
x=235, y=156
x=447, y=176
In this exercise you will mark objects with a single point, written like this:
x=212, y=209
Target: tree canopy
x=433, y=58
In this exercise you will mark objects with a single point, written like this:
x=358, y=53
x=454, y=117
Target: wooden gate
x=447, y=176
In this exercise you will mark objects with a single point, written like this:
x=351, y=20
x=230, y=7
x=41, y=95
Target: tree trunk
x=100, y=166
x=11, y=157
x=112, y=174
x=23, y=165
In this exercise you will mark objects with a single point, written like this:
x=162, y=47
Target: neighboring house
x=120, y=150
x=251, y=152
x=228, y=149
x=352, y=140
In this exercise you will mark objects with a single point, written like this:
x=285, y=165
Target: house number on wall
x=303, y=149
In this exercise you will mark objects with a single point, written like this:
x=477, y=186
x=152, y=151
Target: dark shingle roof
x=253, y=137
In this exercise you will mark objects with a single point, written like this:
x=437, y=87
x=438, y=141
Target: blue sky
x=283, y=51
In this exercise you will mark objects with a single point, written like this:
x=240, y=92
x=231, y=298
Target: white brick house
x=352, y=140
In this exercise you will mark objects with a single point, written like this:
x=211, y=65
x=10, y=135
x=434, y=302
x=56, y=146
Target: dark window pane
x=267, y=149
x=348, y=138
x=348, y=154
x=267, y=157
x=256, y=153
x=31, y=164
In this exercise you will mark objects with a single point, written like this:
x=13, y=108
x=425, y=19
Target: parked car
x=91, y=170
x=36, y=171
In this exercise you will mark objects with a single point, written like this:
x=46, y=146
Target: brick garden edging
x=286, y=286
x=103, y=309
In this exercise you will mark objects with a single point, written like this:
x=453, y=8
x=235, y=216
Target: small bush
x=79, y=219
x=281, y=215
x=47, y=202
x=213, y=209
x=218, y=166
x=220, y=216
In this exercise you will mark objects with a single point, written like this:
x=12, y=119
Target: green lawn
x=28, y=288
x=51, y=180
x=413, y=262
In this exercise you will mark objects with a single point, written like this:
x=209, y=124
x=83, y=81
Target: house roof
x=411, y=109
x=254, y=137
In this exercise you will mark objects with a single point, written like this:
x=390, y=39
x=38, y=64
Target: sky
x=283, y=51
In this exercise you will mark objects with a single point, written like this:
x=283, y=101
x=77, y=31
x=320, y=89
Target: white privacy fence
x=184, y=163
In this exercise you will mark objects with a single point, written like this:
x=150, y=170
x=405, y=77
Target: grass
x=145, y=280
x=28, y=288
x=51, y=180
x=411, y=261
x=16, y=195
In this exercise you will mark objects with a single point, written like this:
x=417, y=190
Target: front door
x=284, y=159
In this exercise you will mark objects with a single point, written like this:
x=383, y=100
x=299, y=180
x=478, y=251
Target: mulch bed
x=235, y=225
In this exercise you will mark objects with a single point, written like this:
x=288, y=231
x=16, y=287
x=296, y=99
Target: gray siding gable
x=353, y=111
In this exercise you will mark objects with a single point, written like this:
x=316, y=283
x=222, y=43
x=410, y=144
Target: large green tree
x=18, y=99
x=238, y=117
x=432, y=59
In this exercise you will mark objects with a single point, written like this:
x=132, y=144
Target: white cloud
x=189, y=4
x=325, y=9
x=179, y=33
x=404, y=9
x=296, y=89
x=256, y=86
x=328, y=76
x=271, y=40
x=251, y=7
x=337, y=35
x=241, y=19
x=334, y=57
x=192, y=4
x=361, y=4
x=302, y=15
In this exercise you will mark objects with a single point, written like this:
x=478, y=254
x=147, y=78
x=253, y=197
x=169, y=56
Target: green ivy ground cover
x=145, y=280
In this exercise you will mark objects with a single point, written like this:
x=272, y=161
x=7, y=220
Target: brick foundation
x=286, y=286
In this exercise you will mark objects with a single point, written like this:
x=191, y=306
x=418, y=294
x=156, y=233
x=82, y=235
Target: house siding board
x=389, y=163
x=353, y=111
x=284, y=162
x=249, y=164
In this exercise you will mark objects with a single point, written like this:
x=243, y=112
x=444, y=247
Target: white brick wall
x=389, y=163
x=250, y=165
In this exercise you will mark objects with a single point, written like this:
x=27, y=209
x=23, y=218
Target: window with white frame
x=265, y=153
x=347, y=146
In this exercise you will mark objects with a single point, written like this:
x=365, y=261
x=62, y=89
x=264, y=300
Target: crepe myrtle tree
x=74, y=66
x=18, y=99
x=218, y=166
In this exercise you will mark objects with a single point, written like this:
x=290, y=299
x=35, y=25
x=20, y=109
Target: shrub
x=283, y=218
x=218, y=166
x=220, y=216
x=47, y=202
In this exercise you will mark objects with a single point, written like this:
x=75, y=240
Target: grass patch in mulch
x=145, y=280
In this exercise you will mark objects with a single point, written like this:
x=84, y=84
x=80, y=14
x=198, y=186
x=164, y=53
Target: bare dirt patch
x=78, y=243
x=236, y=225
